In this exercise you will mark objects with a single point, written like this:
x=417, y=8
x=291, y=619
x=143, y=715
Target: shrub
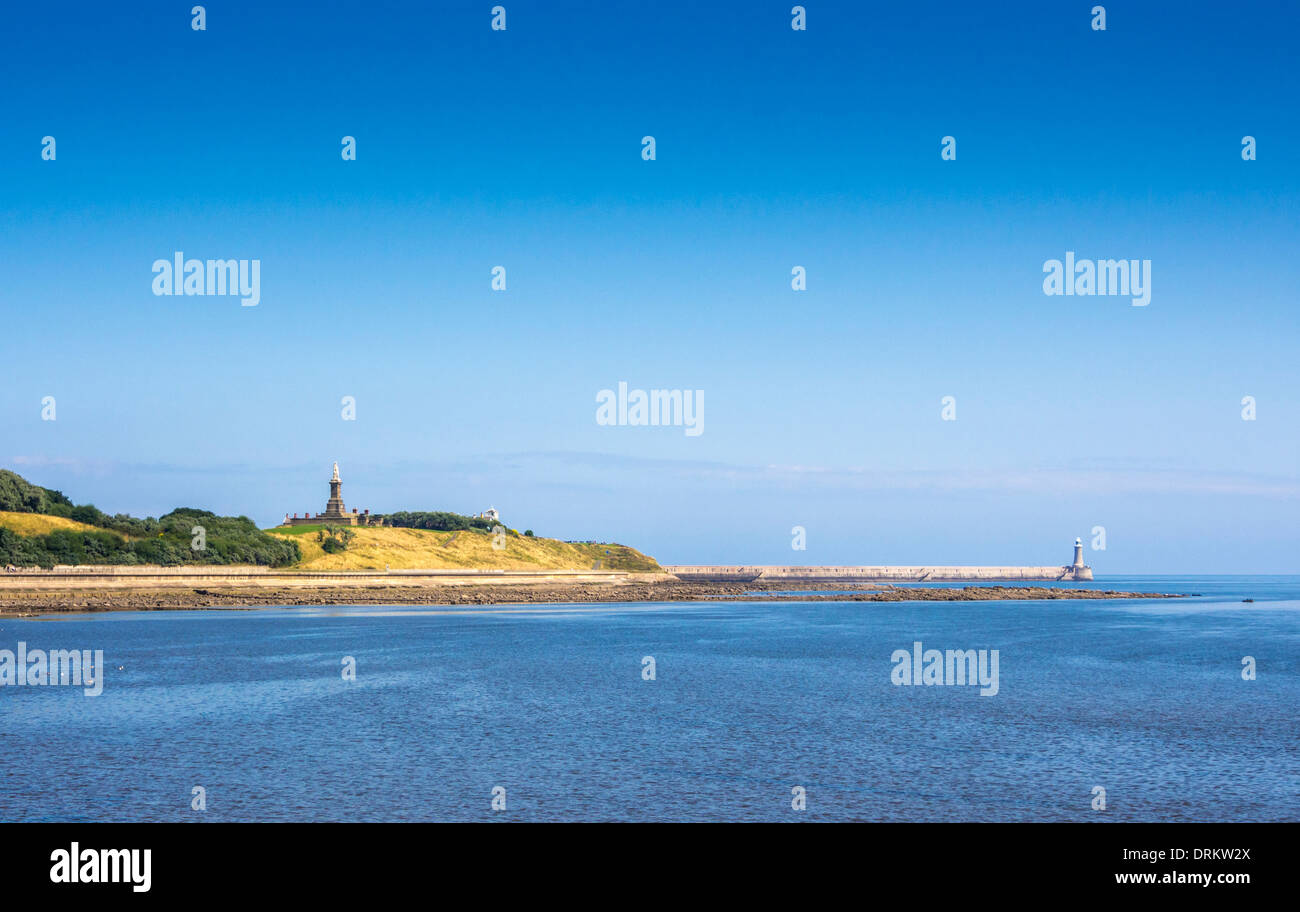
x=438, y=522
x=166, y=540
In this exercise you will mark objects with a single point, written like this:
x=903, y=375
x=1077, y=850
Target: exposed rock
x=25, y=602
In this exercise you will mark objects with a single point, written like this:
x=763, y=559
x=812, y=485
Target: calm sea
x=750, y=700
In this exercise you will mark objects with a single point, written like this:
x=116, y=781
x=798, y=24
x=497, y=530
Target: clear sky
x=775, y=148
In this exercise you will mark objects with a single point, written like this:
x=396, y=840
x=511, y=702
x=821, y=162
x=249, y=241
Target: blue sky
x=775, y=148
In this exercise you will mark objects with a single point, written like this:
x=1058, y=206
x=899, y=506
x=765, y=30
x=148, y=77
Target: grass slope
x=28, y=524
x=421, y=549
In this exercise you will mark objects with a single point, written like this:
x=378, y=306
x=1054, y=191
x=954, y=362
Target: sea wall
x=152, y=578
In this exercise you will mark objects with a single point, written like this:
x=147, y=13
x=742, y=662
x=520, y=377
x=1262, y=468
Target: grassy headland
x=40, y=527
x=374, y=548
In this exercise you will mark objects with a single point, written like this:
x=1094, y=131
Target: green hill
x=94, y=537
x=41, y=527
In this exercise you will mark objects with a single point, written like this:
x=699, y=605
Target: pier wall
x=878, y=574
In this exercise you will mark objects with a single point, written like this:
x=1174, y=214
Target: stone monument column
x=334, y=508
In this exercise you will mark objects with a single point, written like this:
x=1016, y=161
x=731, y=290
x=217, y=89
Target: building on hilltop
x=335, y=513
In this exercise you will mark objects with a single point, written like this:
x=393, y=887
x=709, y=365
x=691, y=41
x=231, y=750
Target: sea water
x=1105, y=711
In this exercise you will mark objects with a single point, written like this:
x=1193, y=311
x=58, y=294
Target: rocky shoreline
x=31, y=602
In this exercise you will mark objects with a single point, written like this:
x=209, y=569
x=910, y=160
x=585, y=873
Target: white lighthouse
x=1078, y=570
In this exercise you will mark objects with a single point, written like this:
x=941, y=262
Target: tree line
x=439, y=521
x=183, y=536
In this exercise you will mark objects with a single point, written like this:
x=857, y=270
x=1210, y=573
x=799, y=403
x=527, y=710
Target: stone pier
x=722, y=573
x=1076, y=571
